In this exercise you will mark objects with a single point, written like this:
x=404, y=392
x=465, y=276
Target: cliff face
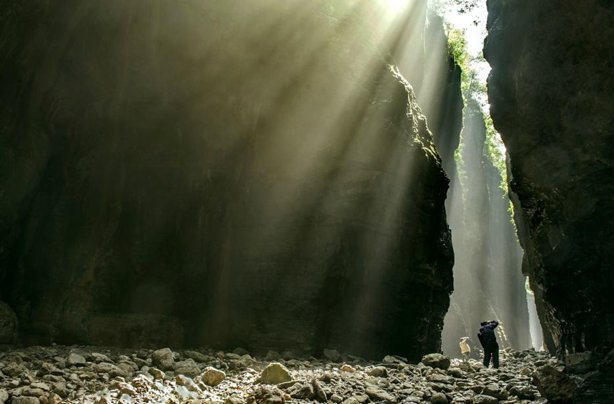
x=551, y=92
x=215, y=173
x=424, y=59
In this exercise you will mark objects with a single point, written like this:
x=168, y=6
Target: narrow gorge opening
x=488, y=277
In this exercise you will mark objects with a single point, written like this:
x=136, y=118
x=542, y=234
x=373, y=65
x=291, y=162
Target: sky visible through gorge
x=469, y=17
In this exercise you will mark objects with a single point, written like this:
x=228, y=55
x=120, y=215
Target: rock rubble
x=59, y=374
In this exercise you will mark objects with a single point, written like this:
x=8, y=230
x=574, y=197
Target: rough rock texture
x=555, y=385
x=552, y=96
x=216, y=172
x=47, y=377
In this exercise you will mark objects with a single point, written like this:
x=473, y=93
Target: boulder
x=436, y=360
x=187, y=367
x=377, y=394
x=212, y=376
x=75, y=359
x=156, y=373
x=484, y=399
x=163, y=359
x=439, y=398
x=275, y=373
x=554, y=385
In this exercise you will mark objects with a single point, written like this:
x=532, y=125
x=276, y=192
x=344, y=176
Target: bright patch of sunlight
x=396, y=6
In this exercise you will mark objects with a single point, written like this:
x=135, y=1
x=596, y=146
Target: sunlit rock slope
x=226, y=173
x=552, y=96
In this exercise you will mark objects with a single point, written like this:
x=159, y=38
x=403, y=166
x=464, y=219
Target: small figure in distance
x=465, y=348
x=488, y=339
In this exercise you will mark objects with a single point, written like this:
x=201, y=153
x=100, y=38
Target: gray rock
x=483, y=399
x=439, y=398
x=302, y=391
x=4, y=396
x=98, y=357
x=390, y=359
x=41, y=386
x=523, y=392
x=124, y=388
x=439, y=378
x=436, y=360
x=362, y=398
x=32, y=392
x=14, y=369
x=493, y=389
x=554, y=385
x=187, y=367
x=275, y=373
x=163, y=359
x=74, y=359
x=60, y=389
x=336, y=398
x=128, y=367
x=378, y=371
x=156, y=373
x=319, y=392
x=377, y=394
x=197, y=356
x=25, y=400
x=182, y=380
x=109, y=368
x=213, y=377
x=49, y=368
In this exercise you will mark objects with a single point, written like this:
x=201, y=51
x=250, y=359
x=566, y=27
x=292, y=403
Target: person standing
x=488, y=339
x=464, y=347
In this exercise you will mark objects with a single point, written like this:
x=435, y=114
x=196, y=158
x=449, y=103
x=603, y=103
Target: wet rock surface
x=122, y=376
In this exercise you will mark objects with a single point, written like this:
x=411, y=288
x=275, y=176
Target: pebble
x=275, y=373
x=74, y=359
x=55, y=375
x=163, y=359
x=212, y=376
x=187, y=367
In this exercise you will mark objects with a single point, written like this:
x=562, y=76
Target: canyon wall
x=226, y=173
x=552, y=99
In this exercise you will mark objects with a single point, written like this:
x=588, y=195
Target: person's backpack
x=481, y=338
x=487, y=335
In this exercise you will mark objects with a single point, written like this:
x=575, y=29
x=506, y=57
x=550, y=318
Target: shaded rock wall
x=552, y=96
x=223, y=173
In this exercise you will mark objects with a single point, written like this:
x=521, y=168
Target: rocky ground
x=61, y=374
